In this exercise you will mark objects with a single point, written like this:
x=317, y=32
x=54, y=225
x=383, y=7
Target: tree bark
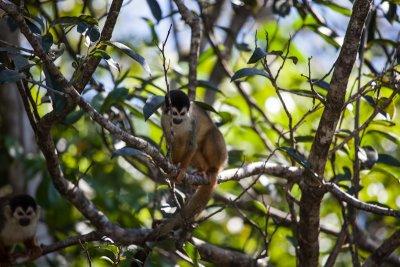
x=312, y=191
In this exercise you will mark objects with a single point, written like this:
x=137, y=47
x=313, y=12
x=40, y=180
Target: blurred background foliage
x=295, y=38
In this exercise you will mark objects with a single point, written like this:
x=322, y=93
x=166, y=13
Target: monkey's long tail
x=193, y=207
x=197, y=203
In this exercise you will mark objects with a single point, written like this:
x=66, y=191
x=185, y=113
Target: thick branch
x=221, y=256
x=290, y=173
x=312, y=192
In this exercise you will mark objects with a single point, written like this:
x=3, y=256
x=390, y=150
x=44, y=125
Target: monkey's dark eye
x=174, y=113
x=29, y=213
x=20, y=213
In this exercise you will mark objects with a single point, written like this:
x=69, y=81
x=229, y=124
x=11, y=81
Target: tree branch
x=383, y=251
x=312, y=191
x=193, y=20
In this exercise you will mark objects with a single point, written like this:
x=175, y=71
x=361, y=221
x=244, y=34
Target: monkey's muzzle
x=177, y=121
x=24, y=221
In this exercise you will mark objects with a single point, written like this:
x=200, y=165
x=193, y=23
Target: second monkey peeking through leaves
x=194, y=141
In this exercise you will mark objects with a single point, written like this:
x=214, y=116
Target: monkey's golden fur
x=196, y=142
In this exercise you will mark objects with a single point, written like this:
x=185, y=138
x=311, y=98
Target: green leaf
x=257, y=55
x=10, y=76
x=335, y=7
x=294, y=59
x=208, y=85
x=235, y=157
x=152, y=104
x=94, y=34
x=391, y=14
x=389, y=110
x=386, y=123
x=246, y=72
x=294, y=154
x=292, y=240
x=389, y=136
x=81, y=27
x=115, y=96
x=73, y=117
x=388, y=160
x=32, y=26
x=155, y=9
x=47, y=41
x=345, y=176
x=226, y=117
x=276, y=53
x=127, y=151
x=107, y=259
x=154, y=35
x=304, y=139
x=205, y=106
x=192, y=252
x=258, y=206
x=243, y=46
x=129, y=52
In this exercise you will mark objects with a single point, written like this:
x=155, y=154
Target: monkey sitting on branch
x=193, y=140
x=19, y=216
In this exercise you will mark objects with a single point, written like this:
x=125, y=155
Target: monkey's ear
x=7, y=212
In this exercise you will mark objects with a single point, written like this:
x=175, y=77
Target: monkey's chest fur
x=13, y=232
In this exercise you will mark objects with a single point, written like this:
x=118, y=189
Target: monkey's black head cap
x=24, y=201
x=178, y=99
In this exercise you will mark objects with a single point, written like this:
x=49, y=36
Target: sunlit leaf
x=258, y=206
x=246, y=72
x=128, y=51
x=208, y=85
x=335, y=7
x=205, y=106
x=192, y=252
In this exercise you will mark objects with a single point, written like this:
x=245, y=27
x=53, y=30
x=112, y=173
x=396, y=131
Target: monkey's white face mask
x=179, y=116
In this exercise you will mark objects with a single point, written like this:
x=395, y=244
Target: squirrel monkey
x=195, y=141
x=19, y=216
